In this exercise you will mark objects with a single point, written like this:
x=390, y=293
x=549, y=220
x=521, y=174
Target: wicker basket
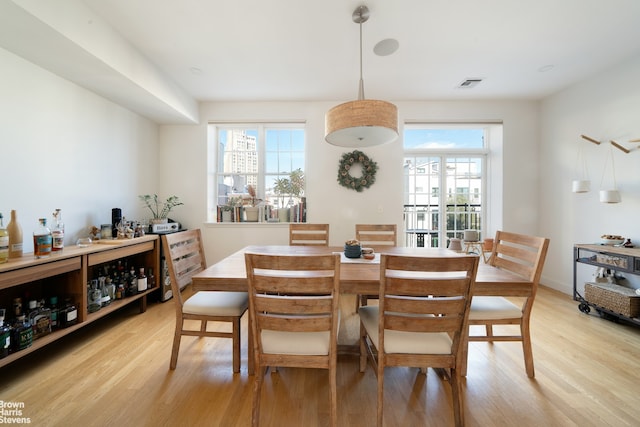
x=616, y=298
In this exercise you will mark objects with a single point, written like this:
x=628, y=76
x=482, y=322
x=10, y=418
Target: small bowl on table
x=612, y=242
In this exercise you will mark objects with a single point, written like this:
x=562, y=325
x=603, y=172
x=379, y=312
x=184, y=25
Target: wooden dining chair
x=421, y=319
x=523, y=255
x=184, y=254
x=293, y=303
x=378, y=237
x=306, y=234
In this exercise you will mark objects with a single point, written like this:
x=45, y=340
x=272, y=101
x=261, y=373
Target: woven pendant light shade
x=365, y=122
x=362, y=123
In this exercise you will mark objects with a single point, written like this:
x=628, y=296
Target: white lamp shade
x=610, y=196
x=581, y=186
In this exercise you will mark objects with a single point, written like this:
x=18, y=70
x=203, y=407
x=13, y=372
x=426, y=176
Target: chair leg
x=175, y=349
x=333, y=394
x=380, y=391
x=257, y=391
x=456, y=395
x=363, y=348
x=527, y=350
x=236, y=345
x=203, y=326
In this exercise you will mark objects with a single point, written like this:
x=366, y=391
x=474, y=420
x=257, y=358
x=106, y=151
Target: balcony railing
x=422, y=223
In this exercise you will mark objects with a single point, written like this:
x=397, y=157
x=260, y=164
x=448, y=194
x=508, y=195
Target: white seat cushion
x=302, y=343
x=404, y=342
x=213, y=303
x=493, y=308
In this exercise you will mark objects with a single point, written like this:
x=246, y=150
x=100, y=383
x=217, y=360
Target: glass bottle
x=105, y=298
x=68, y=315
x=53, y=306
x=151, y=279
x=5, y=336
x=133, y=282
x=4, y=244
x=142, y=281
x=42, y=240
x=22, y=334
x=40, y=319
x=57, y=233
x=94, y=297
x=15, y=236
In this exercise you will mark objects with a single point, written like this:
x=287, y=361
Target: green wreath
x=369, y=168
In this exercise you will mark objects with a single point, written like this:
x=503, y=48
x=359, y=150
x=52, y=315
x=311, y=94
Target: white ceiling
x=303, y=50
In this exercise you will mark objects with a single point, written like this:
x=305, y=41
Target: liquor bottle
x=142, y=281
x=5, y=336
x=42, y=240
x=133, y=282
x=105, y=298
x=53, y=306
x=94, y=297
x=151, y=279
x=4, y=245
x=40, y=319
x=15, y=236
x=68, y=315
x=57, y=233
x=22, y=334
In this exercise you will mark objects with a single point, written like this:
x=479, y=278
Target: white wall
x=514, y=202
x=606, y=106
x=64, y=147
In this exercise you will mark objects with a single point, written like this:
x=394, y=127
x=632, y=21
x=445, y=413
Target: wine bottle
x=15, y=236
x=4, y=242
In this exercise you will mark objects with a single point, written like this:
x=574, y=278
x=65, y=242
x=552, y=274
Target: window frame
x=214, y=162
x=443, y=154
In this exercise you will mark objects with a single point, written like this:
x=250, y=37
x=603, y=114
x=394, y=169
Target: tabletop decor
x=368, y=166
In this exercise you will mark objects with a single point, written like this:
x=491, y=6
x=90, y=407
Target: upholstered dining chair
x=306, y=234
x=523, y=255
x=378, y=237
x=293, y=303
x=184, y=254
x=421, y=319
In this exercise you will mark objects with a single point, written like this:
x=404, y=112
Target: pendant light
x=361, y=123
x=582, y=184
x=612, y=195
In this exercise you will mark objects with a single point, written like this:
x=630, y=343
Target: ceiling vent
x=469, y=83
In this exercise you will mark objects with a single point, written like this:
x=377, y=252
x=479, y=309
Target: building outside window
x=444, y=182
x=257, y=166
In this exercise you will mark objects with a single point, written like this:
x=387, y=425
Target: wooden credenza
x=65, y=274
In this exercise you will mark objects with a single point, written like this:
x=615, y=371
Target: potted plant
x=293, y=186
x=160, y=209
x=252, y=209
x=232, y=203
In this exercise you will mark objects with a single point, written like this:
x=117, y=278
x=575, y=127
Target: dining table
x=358, y=276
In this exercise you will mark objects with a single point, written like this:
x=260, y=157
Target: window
x=258, y=165
x=449, y=160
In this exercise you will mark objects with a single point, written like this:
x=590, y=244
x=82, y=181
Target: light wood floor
x=116, y=372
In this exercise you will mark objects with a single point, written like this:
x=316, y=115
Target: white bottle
x=142, y=281
x=57, y=232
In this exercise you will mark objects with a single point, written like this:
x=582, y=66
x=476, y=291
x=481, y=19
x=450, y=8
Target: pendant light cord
x=361, y=84
x=613, y=170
